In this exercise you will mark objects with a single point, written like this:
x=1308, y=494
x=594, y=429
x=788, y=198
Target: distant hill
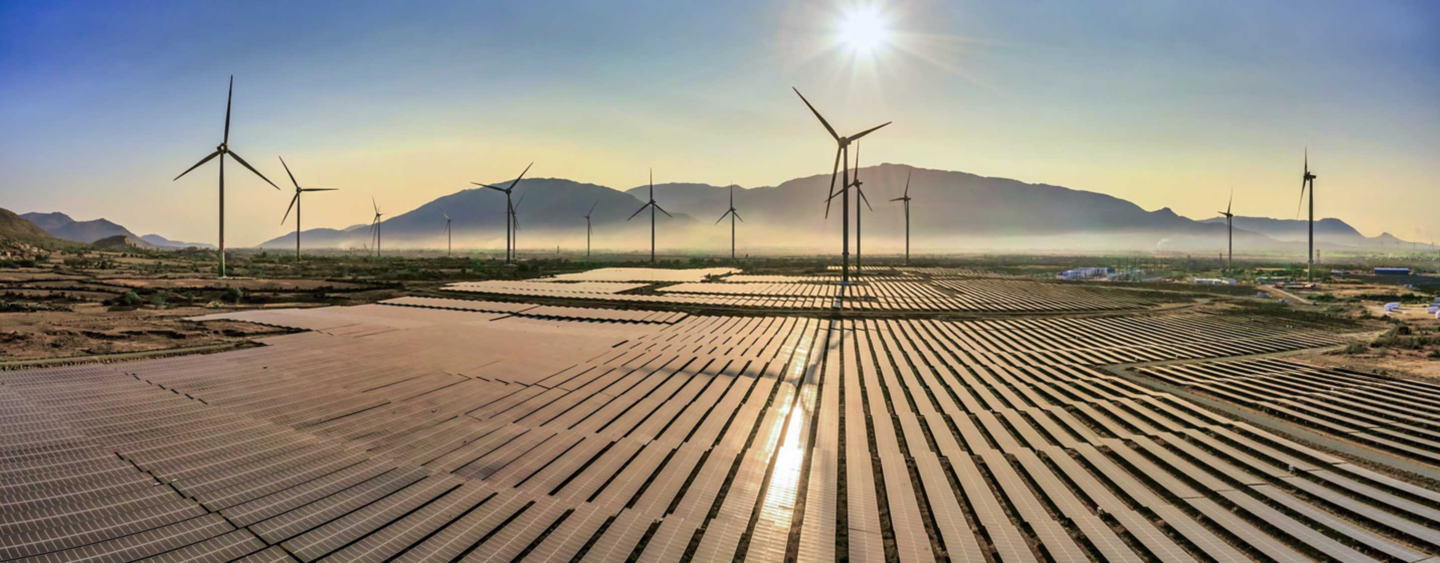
x=951, y=211
x=162, y=242
x=551, y=208
x=119, y=242
x=16, y=229
x=62, y=226
x=945, y=204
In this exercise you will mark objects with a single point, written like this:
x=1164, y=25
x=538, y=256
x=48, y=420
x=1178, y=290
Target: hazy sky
x=1163, y=103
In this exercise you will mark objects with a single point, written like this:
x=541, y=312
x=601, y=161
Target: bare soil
x=92, y=329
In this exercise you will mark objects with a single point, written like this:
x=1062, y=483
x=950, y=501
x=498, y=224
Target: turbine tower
x=842, y=145
x=1310, y=178
x=733, y=216
x=905, y=198
x=221, y=151
x=375, y=226
x=587, y=227
x=448, y=238
x=859, y=238
x=515, y=223
x=1229, y=232
x=653, y=206
x=509, y=212
x=295, y=204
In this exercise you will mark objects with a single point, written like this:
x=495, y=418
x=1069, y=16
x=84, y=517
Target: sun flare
x=863, y=29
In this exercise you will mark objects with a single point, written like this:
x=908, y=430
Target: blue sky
x=1163, y=103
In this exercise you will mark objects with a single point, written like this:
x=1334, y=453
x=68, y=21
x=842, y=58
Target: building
x=1085, y=273
x=1386, y=271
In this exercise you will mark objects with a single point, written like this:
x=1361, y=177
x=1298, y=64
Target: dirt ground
x=51, y=313
x=93, y=329
x=243, y=284
x=1395, y=363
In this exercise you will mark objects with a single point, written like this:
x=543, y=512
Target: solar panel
x=430, y=429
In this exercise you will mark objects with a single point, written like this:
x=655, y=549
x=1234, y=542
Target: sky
x=1164, y=103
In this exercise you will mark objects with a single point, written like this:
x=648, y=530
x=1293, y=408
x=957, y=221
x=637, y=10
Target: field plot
x=427, y=431
x=924, y=290
x=1397, y=415
x=645, y=275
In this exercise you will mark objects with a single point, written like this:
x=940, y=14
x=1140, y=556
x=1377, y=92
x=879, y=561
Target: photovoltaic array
x=445, y=430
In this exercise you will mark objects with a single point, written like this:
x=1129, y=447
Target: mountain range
x=16, y=231
x=951, y=212
x=62, y=226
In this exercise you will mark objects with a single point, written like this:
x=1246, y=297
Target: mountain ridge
x=62, y=226
x=951, y=211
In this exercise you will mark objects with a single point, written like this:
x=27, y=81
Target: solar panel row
x=440, y=438
x=1401, y=416
x=992, y=295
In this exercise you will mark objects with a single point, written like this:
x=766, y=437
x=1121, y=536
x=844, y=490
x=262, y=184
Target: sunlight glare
x=863, y=29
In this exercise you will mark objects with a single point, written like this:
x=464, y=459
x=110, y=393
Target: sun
x=863, y=29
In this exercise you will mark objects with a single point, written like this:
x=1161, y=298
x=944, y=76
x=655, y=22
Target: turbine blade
x=737, y=216
x=522, y=175
x=228, y=97
x=320, y=189
x=287, y=171
x=518, y=202
x=907, y=183
x=898, y=199
x=197, y=164
x=252, y=169
x=864, y=199
x=662, y=209
x=1229, y=203
x=292, y=206
x=722, y=217
x=817, y=114
x=835, y=170
x=592, y=208
x=497, y=188
x=375, y=205
x=637, y=211
x=857, y=164
x=868, y=131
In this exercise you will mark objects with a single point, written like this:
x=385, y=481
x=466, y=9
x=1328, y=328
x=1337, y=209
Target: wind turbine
x=295, y=204
x=375, y=226
x=1308, y=177
x=509, y=212
x=733, y=216
x=221, y=151
x=1229, y=231
x=861, y=193
x=842, y=145
x=653, y=206
x=447, y=232
x=905, y=198
x=515, y=222
x=587, y=227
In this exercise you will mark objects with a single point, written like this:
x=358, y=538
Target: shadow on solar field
x=423, y=429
